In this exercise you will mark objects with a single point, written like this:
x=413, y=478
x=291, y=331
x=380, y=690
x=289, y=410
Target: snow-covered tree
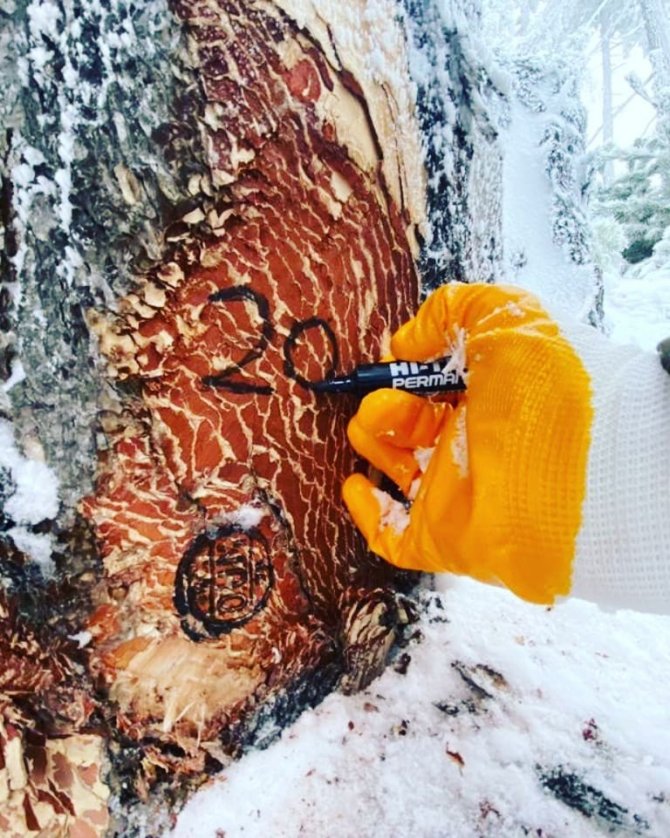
x=639, y=199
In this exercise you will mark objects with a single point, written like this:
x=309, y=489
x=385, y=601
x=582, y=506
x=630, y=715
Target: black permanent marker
x=412, y=376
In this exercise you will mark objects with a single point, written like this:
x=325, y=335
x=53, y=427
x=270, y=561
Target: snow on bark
x=458, y=97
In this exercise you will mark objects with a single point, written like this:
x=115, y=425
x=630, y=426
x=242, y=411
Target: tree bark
x=208, y=207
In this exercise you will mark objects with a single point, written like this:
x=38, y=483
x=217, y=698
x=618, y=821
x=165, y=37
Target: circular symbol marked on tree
x=223, y=580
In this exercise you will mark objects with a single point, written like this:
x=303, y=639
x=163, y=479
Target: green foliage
x=638, y=251
x=639, y=198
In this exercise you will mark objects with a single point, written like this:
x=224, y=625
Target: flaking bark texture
x=51, y=750
x=204, y=211
x=231, y=572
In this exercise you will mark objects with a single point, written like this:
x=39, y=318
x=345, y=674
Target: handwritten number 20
x=224, y=380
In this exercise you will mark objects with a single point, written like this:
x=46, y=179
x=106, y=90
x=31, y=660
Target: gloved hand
x=548, y=475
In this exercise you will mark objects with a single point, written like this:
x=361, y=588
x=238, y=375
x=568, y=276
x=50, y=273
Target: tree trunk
x=608, y=116
x=655, y=16
x=207, y=207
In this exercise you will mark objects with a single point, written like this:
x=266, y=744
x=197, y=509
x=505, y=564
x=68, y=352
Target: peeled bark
x=231, y=573
x=50, y=753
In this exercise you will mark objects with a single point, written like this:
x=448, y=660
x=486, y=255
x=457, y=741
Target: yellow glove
x=497, y=483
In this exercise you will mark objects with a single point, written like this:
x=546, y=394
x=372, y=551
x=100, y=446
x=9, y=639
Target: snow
x=532, y=259
x=423, y=457
x=392, y=513
x=44, y=18
x=457, y=361
x=459, y=446
x=35, y=494
x=82, y=638
x=497, y=693
x=37, y=546
x=247, y=516
x=492, y=702
x=33, y=498
x=18, y=374
x=637, y=308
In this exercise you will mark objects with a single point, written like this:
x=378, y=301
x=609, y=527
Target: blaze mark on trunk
x=303, y=270
x=222, y=581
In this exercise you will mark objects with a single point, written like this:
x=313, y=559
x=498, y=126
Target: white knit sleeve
x=623, y=547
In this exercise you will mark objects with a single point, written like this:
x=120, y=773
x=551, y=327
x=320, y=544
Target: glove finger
x=428, y=536
x=380, y=519
x=396, y=463
x=402, y=419
x=385, y=524
x=389, y=426
x=437, y=328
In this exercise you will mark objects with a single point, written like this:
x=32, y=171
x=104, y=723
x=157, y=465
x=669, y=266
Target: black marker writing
x=223, y=580
x=297, y=332
x=227, y=380
x=222, y=380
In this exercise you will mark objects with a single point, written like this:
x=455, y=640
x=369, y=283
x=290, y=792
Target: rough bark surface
x=231, y=572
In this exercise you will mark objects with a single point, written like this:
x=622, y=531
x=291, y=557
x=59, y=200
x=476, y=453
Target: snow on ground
x=509, y=719
x=637, y=307
x=532, y=259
